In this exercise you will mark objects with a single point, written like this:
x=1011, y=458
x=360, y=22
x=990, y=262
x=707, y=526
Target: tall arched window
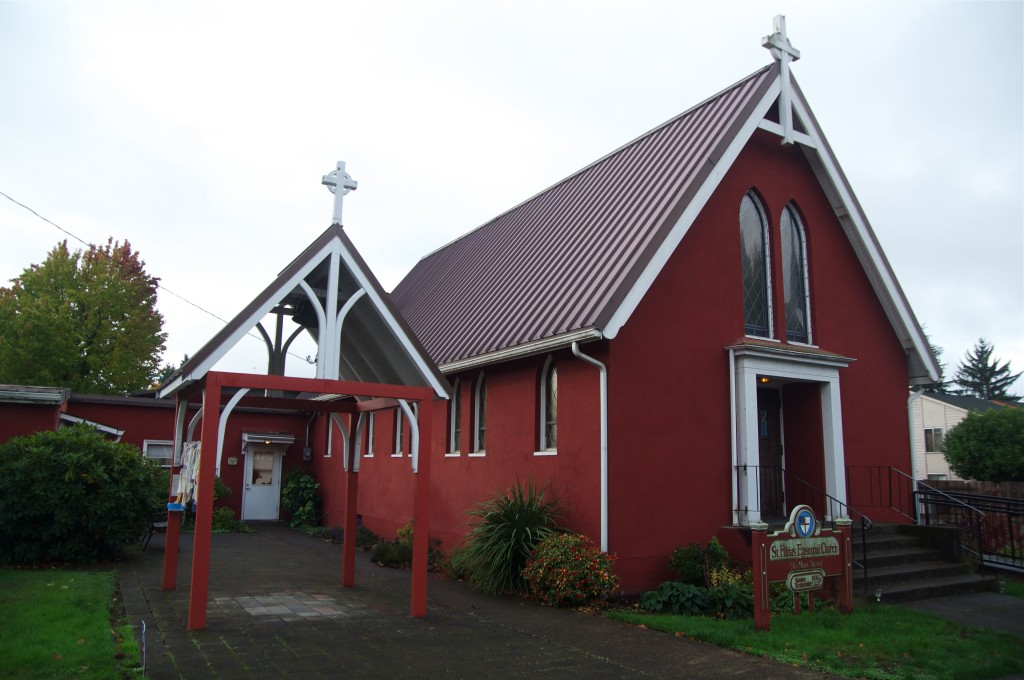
x=756, y=289
x=455, y=424
x=549, y=406
x=480, y=412
x=794, y=277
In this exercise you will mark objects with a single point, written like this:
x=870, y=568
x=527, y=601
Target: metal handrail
x=918, y=483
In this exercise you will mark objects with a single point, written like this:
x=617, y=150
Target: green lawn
x=1013, y=587
x=58, y=624
x=877, y=641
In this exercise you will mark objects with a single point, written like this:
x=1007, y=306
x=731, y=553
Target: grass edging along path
x=881, y=641
x=56, y=624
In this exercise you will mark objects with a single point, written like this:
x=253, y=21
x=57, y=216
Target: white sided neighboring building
x=932, y=415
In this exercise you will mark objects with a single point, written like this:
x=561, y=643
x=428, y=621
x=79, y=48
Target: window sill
x=550, y=452
x=477, y=454
x=397, y=455
x=368, y=455
x=453, y=454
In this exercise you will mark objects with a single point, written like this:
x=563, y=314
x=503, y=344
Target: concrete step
x=905, y=573
x=901, y=555
x=925, y=588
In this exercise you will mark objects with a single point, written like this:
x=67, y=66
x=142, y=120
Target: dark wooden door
x=769, y=438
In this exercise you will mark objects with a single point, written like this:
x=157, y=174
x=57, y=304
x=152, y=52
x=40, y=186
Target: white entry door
x=261, y=495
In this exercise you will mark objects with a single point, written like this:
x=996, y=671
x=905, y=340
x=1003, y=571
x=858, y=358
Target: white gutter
x=732, y=436
x=604, y=440
x=527, y=349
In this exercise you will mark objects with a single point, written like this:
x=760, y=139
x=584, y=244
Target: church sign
x=803, y=555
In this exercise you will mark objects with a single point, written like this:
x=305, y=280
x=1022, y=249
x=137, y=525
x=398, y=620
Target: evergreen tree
x=979, y=375
x=86, y=321
x=942, y=386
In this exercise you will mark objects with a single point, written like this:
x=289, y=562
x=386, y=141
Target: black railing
x=994, y=527
x=777, y=490
x=988, y=528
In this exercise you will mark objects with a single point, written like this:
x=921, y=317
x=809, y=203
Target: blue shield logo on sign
x=805, y=523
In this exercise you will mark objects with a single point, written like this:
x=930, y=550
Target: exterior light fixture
x=878, y=594
x=764, y=380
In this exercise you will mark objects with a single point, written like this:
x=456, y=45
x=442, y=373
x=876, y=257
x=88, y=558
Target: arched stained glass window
x=756, y=290
x=794, y=277
x=454, y=443
x=549, y=406
x=480, y=432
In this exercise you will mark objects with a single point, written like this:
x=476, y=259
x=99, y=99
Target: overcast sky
x=200, y=132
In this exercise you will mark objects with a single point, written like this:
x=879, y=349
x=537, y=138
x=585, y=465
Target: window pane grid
x=754, y=241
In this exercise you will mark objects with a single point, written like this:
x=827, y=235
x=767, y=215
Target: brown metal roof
x=563, y=260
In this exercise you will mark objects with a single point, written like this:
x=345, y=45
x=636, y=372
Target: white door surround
x=752, y=365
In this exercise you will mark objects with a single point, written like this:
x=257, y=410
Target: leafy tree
x=167, y=370
x=86, y=321
x=988, y=446
x=981, y=376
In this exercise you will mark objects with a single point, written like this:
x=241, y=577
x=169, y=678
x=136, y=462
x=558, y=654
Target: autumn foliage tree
x=83, y=320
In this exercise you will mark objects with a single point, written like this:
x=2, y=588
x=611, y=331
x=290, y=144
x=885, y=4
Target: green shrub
x=224, y=521
x=396, y=553
x=299, y=497
x=731, y=600
x=330, y=534
x=568, y=570
x=694, y=564
x=676, y=597
x=73, y=496
x=503, y=533
x=366, y=539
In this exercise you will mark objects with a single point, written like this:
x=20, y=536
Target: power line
x=158, y=285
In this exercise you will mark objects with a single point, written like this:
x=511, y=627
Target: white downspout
x=732, y=437
x=913, y=453
x=604, y=440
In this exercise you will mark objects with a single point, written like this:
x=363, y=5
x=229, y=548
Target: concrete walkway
x=276, y=608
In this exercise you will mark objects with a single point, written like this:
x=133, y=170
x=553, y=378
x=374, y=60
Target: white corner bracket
x=340, y=183
x=784, y=53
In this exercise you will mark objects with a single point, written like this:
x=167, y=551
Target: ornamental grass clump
x=503, y=533
x=568, y=570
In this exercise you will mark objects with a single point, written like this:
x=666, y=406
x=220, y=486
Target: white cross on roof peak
x=778, y=42
x=340, y=183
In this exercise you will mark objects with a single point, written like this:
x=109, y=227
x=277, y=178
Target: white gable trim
x=867, y=248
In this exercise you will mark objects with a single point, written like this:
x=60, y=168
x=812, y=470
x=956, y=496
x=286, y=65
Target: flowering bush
x=568, y=570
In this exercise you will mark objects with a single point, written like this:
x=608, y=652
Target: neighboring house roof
x=28, y=394
x=574, y=261
x=361, y=336
x=962, y=401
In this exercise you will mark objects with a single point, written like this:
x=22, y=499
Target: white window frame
x=399, y=420
x=766, y=246
x=159, y=442
x=455, y=435
x=544, y=449
x=942, y=438
x=480, y=387
x=369, y=435
x=798, y=224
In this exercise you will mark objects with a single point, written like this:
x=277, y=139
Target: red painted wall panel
x=19, y=420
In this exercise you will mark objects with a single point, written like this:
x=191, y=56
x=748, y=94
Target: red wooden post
x=762, y=599
x=171, y=550
x=846, y=554
x=421, y=511
x=204, y=507
x=348, y=546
